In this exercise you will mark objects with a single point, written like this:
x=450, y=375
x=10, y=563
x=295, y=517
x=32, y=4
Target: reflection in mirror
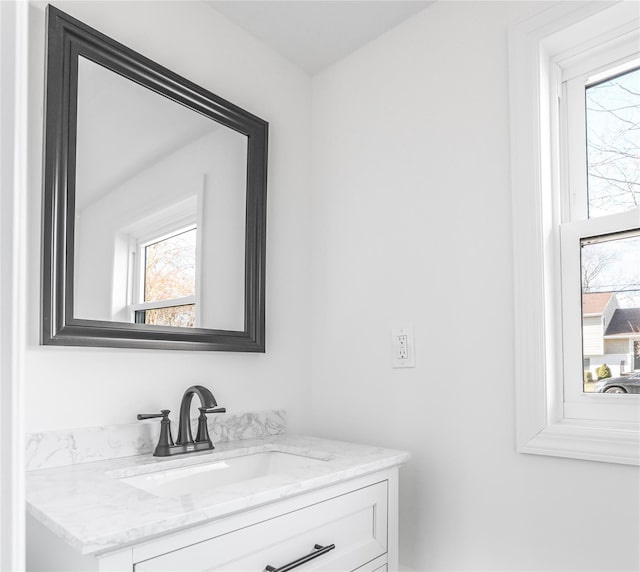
x=168, y=281
x=160, y=208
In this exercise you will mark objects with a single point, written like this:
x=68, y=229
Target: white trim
x=589, y=442
x=200, y=225
x=541, y=428
x=591, y=62
x=13, y=182
x=184, y=301
x=168, y=231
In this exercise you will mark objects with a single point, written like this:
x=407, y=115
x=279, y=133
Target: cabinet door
x=356, y=523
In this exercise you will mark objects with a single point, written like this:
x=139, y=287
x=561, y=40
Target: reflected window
x=179, y=316
x=166, y=288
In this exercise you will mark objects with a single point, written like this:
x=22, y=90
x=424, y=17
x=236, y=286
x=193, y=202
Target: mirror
x=154, y=204
x=160, y=202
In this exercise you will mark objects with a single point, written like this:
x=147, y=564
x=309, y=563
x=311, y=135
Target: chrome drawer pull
x=318, y=551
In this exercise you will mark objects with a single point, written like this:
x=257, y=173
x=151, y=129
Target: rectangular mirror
x=154, y=203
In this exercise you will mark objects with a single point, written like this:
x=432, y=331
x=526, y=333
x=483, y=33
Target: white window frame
x=599, y=58
x=576, y=403
x=534, y=48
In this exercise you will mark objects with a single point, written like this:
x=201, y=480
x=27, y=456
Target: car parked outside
x=623, y=384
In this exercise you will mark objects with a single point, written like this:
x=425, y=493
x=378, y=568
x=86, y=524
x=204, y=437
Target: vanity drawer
x=355, y=522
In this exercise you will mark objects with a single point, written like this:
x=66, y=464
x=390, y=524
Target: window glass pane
x=613, y=144
x=180, y=316
x=610, y=269
x=170, y=267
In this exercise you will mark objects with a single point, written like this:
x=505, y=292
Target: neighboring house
x=610, y=334
x=623, y=334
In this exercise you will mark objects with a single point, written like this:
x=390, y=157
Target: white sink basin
x=215, y=474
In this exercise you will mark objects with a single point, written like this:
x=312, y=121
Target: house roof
x=624, y=321
x=595, y=302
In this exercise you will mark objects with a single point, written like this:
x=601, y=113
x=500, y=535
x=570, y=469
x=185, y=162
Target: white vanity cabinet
x=358, y=517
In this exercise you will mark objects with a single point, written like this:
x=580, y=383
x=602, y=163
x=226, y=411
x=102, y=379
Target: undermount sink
x=215, y=474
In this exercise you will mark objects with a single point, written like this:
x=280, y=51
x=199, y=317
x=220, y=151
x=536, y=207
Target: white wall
x=76, y=387
x=411, y=226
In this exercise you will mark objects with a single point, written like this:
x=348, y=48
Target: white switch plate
x=402, y=347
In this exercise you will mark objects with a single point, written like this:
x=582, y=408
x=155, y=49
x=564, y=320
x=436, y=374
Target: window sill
x=592, y=441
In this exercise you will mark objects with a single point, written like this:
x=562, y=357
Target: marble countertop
x=92, y=510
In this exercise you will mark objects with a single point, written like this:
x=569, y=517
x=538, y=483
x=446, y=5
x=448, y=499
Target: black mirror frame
x=67, y=39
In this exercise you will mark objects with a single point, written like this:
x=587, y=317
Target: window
x=165, y=283
x=611, y=291
x=600, y=221
x=574, y=74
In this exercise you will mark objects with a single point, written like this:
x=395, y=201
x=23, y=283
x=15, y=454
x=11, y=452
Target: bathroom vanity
x=274, y=503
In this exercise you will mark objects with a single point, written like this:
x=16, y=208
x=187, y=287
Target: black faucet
x=185, y=442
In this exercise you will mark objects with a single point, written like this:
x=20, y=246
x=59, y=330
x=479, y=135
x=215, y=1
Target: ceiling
x=314, y=34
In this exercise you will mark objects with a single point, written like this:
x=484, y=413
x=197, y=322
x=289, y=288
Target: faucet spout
x=207, y=401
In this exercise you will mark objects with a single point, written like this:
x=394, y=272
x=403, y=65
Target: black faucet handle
x=164, y=414
x=165, y=442
x=203, y=431
x=212, y=410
